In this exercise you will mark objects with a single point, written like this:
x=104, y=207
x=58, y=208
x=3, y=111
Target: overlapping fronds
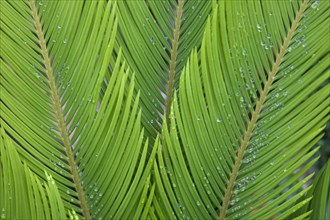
x=23, y=195
x=157, y=37
x=251, y=106
x=67, y=104
x=319, y=205
x=163, y=109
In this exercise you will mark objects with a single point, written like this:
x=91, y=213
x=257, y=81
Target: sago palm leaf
x=67, y=104
x=22, y=193
x=251, y=105
x=157, y=37
x=319, y=205
x=235, y=143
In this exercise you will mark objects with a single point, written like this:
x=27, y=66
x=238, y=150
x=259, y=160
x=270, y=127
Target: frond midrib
x=174, y=54
x=256, y=113
x=59, y=113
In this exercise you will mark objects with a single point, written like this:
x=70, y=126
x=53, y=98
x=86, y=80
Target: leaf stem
x=256, y=113
x=174, y=54
x=59, y=112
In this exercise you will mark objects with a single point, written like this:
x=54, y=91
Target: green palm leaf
x=67, y=104
x=157, y=37
x=319, y=205
x=162, y=109
x=242, y=128
x=22, y=193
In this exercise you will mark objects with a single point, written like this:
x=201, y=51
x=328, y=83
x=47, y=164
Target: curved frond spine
x=174, y=54
x=157, y=37
x=219, y=92
x=69, y=106
x=256, y=114
x=59, y=112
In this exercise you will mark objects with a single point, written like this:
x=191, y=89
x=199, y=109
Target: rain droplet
x=263, y=43
x=244, y=53
x=259, y=27
x=315, y=5
x=37, y=74
x=152, y=40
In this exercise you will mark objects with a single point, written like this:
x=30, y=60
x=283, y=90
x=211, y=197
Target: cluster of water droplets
x=3, y=213
x=249, y=86
x=94, y=196
x=300, y=40
x=240, y=186
x=61, y=78
x=259, y=140
x=148, y=21
x=315, y=5
x=265, y=43
x=207, y=183
x=42, y=6
x=182, y=207
x=58, y=162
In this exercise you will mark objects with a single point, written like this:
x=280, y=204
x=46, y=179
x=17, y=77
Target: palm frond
x=67, y=104
x=23, y=195
x=162, y=109
x=237, y=146
x=319, y=204
x=157, y=37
